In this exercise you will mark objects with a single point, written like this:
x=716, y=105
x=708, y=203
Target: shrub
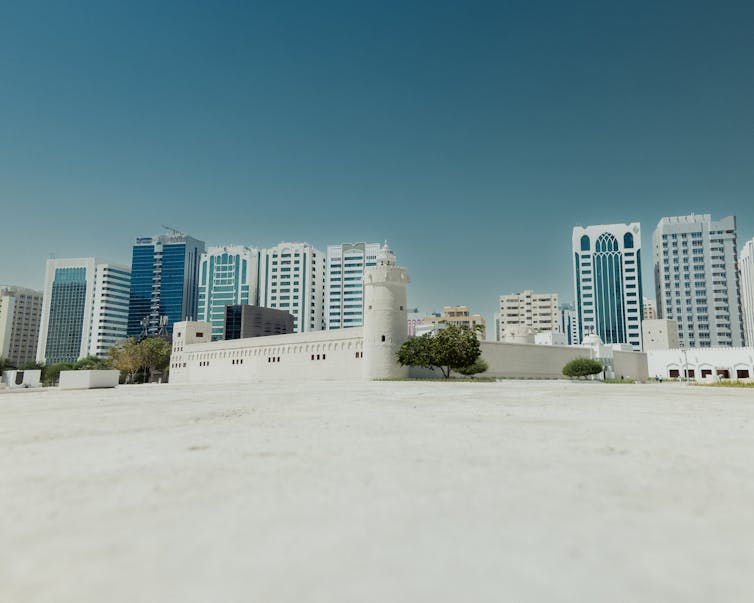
x=582, y=367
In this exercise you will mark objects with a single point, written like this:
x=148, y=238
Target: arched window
x=606, y=242
x=628, y=241
x=585, y=243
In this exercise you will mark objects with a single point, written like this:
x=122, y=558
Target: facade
x=703, y=364
x=550, y=338
x=746, y=265
x=356, y=353
x=242, y=321
x=291, y=278
x=414, y=318
x=228, y=275
x=344, y=294
x=660, y=334
x=535, y=311
x=459, y=316
x=567, y=323
x=20, y=313
x=696, y=279
x=164, y=282
x=607, y=280
x=650, y=309
x=84, y=309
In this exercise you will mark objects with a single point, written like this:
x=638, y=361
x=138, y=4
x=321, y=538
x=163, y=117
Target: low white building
x=551, y=338
x=355, y=353
x=702, y=364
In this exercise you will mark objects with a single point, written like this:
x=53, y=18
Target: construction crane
x=174, y=231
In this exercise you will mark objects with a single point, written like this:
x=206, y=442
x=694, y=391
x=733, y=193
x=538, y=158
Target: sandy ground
x=385, y=491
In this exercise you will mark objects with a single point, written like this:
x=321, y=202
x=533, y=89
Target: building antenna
x=174, y=231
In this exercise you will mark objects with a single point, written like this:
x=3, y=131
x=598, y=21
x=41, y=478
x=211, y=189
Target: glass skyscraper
x=607, y=279
x=84, y=309
x=344, y=291
x=227, y=276
x=164, y=282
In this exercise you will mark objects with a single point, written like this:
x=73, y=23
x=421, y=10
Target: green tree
x=582, y=367
x=6, y=365
x=452, y=348
x=416, y=351
x=51, y=373
x=126, y=357
x=31, y=366
x=479, y=366
x=154, y=354
x=92, y=363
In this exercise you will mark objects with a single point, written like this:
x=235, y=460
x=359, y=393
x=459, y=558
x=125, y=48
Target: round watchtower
x=385, y=317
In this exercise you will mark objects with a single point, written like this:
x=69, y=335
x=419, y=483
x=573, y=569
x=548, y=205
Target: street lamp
x=686, y=365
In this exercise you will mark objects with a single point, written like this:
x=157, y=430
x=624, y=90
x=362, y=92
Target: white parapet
x=18, y=378
x=88, y=379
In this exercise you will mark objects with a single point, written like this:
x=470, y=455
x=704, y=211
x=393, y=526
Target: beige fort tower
x=385, y=317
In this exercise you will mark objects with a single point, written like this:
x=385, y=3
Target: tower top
x=385, y=257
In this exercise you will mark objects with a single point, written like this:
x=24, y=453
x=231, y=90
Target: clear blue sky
x=471, y=135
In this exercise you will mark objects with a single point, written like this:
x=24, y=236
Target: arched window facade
x=608, y=290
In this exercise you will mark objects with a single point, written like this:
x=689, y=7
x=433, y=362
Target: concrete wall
x=88, y=379
x=530, y=361
x=315, y=355
x=524, y=360
x=630, y=365
x=29, y=378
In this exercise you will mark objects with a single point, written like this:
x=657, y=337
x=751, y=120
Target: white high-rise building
x=650, y=309
x=228, y=275
x=344, y=284
x=607, y=279
x=291, y=277
x=84, y=310
x=568, y=325
x=537, y=312
x=20, y=311
x=696, y=279
x=746, y=265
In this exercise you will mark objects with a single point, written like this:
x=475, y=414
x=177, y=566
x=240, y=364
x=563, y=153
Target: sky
x=471, y=135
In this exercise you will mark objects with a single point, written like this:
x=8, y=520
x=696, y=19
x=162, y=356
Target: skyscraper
x=291, y=277
x=746, y=265
x=696, y=279
x=228, y=276
x=164, y=282
x=20, y=312
x=344, y=291
x=84, y=309
x=607, y=279
x=568, y=325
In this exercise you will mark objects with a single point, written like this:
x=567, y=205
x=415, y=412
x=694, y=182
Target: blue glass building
x=84, y=309
x=607, y=278
x=164, y=282
x=228, y=276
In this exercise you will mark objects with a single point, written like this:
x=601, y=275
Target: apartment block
x=527, y=309
x=20, y=313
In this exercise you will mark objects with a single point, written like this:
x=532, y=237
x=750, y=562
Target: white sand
x=516, y=491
